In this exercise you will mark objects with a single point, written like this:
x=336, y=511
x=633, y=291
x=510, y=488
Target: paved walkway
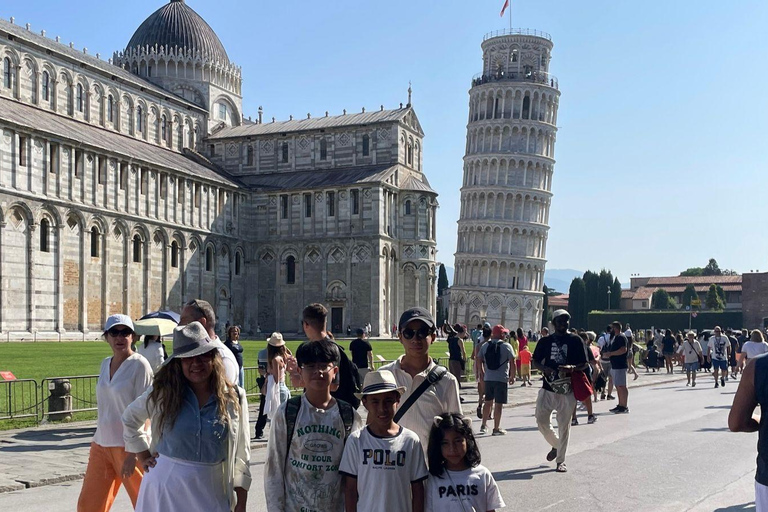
x=59, y=452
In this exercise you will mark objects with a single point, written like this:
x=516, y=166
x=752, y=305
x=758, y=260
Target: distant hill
x=560, y=278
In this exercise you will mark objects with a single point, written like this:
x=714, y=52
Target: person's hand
x=291, y=365
x=147, y=460
x=129, y=465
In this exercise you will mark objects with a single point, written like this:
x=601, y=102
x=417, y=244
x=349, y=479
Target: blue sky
x=661, y=153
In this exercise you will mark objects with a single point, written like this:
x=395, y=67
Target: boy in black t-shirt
x=556, y=356
x=362, y=353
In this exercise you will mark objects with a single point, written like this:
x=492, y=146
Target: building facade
x=135, y=183
x=506, y=192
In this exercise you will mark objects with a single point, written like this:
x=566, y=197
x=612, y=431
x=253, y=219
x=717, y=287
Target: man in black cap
x=417, y=333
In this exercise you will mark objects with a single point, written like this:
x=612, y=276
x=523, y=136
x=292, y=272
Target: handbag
x=561, y=386
x=701, y=358
x=582, y=389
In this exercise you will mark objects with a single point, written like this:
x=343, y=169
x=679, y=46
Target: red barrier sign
x=7, y=376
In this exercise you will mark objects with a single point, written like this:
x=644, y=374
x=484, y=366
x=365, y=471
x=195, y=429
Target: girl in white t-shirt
x=458, y=483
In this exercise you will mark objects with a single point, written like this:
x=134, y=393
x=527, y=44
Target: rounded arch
x=236, y=117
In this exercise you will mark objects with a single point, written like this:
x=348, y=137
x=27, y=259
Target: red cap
x=497, y=332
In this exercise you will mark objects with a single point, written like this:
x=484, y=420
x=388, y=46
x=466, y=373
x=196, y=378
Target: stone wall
x=754, y=299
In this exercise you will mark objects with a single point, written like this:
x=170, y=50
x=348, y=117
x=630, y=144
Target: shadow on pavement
x=737, y=508
x=522, y=474
x=54, y=436
x=712, y=429
x=42, y=448
x=718, y=407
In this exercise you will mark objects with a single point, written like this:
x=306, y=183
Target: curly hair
x=168, y=392
x=443, y=423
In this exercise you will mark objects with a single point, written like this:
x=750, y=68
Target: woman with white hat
x=197, y=457
x=124, y=376
x=277, y=391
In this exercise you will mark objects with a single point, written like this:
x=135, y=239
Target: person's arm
x=292, y=367
x=242, y=499
x=274, y=467
x=463, y=350
x=350, y=493
x=242, y=455
x=417, y=496
x=370, y=356
x=742, y=418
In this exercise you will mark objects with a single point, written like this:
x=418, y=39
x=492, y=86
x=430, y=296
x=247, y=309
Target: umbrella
x=168, y=315
x=154, y=326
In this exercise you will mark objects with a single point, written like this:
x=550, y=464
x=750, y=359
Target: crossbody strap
x=433, y=377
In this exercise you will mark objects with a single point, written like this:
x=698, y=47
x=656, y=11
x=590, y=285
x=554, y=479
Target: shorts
x=606, y=367
x=692, y=367
x=761, y=497
x=619, y=377
x=496, y=391
x=720, y=365
x=525, y=370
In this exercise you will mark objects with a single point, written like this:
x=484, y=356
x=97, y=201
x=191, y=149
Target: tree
x=689, y=294
x=592, y=297
x=662, y=300
x=577, y=305
x=692, y=272
x=713, y=300
x=721, y=294
x=604, y=283
x=442, y=280
x=712, y=268
x=616, y=294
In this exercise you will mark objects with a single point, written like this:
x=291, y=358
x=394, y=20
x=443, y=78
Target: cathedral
x=135, y=183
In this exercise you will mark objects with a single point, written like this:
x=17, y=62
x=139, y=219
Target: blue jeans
x=241, y=378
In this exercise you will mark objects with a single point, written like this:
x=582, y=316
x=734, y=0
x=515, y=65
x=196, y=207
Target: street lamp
x=609, y=298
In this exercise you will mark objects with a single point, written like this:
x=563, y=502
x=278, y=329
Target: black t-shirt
x=668, y=344
x=619, y=362
x=237, y=350
x=360, y=349
x=554, y=350
x=454, y=350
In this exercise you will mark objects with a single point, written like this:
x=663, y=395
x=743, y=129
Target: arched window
x=209, y=259
x=7, y=73
x=45, y=233
x=526, y=107
x=46, y=86
x=290, y=270
x=139, y=119
x=285, y=152
x=94, y=242
x=249, y=158
x=136, y=249
x=323, y=149
x=111, y=109
x=408, y=207
x=366, y=145
x=238, y=263
x=164, y=129
x=409, y=153
x=79, y=98
x=175, y=254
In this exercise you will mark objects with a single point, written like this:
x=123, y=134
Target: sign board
x=695, y=302
x=7, y=376
x=380, y=357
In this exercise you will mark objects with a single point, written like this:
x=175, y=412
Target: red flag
x=506, y=4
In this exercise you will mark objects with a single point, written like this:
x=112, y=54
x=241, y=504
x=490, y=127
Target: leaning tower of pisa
x=506, y=192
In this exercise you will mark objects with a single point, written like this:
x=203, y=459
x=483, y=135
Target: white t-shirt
x=230, y=363
x=602, y=341
x=692, y=351
x=153, y=353
x=308, y=479
x=718, y=347
x=753, y=348
x=441, y=398
x=471, y=490
x=115, y=395
x=385, y=468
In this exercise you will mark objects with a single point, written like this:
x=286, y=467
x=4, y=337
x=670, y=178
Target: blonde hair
x=168, y=392
x=757, y=336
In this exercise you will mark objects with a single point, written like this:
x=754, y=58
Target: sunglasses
x=423, y=333
x=318, y=367
x=208, y=356
x=120, y=332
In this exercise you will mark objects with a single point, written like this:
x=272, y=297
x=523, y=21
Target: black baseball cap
x=416, y=314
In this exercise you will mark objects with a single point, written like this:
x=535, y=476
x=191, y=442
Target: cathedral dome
x=176, y=25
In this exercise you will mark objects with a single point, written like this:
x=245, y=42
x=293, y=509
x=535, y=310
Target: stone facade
x=506, y=193
x=136, y=184
x=754, y=299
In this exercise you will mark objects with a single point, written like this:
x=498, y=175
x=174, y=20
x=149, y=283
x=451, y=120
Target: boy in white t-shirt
x=384, y=462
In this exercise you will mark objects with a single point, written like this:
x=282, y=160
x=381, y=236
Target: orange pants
x=103, y=478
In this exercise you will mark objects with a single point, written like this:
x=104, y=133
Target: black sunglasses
x=120, y=332
x=423, y=332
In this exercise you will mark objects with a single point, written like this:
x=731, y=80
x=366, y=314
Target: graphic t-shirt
x=619, y=362
x=717, y=347
x=555, y=350
x=308, y=478
x=385, y=468
x=471, y=490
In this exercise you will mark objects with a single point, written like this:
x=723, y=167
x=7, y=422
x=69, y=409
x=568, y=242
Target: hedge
x=675, y=320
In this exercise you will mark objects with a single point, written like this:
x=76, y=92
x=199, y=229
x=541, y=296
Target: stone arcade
x=136, y=183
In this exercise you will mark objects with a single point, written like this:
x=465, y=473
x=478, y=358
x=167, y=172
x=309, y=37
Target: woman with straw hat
x=197, y=457
x=277, y=391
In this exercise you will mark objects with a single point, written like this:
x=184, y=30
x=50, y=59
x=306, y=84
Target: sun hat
x=416, y=314
x=276, y=340
x=559, y=313
x=382, y=381
x=190, y=340
x=115, y=320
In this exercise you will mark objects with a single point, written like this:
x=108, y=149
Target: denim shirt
x=198, y=435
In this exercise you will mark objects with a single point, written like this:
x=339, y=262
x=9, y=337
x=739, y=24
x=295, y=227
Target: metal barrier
x=19, y=399
x=251, y=373
x=83, y=392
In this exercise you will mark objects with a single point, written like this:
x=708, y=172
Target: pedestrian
x=733, y=361
x=349, y=330
x=742, y=338
x=383, y=459
x=199, y=310
x=457, y=354
x=429, y=389
x=123, y=377
x=755, y=347
x=604, y=343
x=652, y=358
x=233, y=344
x=153, y=350
x=523, y=342
x=261, y=382
x=668, y=350
x=631, y=351
x=292, y=482
x=525, y=366
x=753, y=392
x=591, y=372
x=496, y=356
x=618, y=354
x=691, y=352
x=485, y=335
x=362, y=353
x=557, y=356
x=718, y=350
x=315, y=324
x=277, y=392
x=458, y=481
x=198, y=454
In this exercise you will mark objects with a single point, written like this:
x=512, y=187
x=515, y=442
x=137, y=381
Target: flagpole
x=510, y=15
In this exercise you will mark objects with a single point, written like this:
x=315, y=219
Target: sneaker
x=611, y=397
x=687, y=383
x=461, y=399
x=574, y=422
x=722, y=381
x=552, y=455
x=522, y=385
x=693, y=385
x=717, y=385
x=602, y=396
x=623, y=410
x=480, y=411
x=483, y=430
x=591, y=419
x=499, y=432
x=561, y=467
x=615, y=409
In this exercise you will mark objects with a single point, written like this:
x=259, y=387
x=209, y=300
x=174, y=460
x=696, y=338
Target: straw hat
x=276, y=340
x=382, y=381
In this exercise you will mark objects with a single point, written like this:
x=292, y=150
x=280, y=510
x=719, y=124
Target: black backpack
x=492, y=356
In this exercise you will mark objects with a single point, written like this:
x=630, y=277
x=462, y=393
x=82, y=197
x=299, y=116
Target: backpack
x=292, y=407
x=492, y=356
x=349, y=380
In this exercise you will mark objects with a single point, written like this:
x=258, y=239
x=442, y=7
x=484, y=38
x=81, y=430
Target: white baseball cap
x=115, y=320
